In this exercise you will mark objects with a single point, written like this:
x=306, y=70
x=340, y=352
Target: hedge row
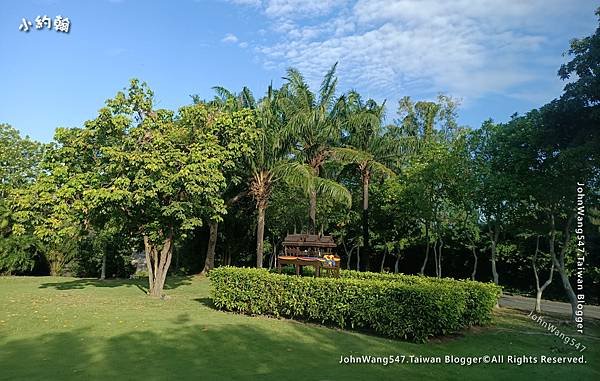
x=390, y=307
x=480, y=297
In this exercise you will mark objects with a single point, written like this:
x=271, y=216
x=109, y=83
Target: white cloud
x=466, y=48
x=243, y=45
x=229, y=38
x=300, y=8
x=245, y=2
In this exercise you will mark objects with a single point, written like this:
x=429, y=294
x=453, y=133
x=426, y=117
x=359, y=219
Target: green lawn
x=68, y=328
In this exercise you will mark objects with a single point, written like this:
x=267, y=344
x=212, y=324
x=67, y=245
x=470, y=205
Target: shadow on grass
x=183, y=351
x=186, y=352
x=207, y=302
x=141, y=284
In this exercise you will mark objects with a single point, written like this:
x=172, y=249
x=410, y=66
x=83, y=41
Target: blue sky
x=497, y=56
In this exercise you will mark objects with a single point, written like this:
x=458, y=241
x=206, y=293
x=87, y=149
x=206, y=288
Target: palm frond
x=328, y=86
x=347, y=155
x=247, y=98
x=223, y=93
x=333, y=191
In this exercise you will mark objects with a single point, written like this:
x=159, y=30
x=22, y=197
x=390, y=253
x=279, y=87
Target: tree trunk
x=494, y=234
x=426, y=249
x=273, y=257
x=559, y=262
x=312, y=212
x=474, y=250
x=158, y=262
x=540, y=289
x=396, y=264
x=435, y=257
x=440, y=258
x=260, y=232
x=103, y=268
x=227, y=259
x=54, y=268
x=348, y=254
x=209, y=262
x=349, y=259
x=365, y=219
x=383, y=261
x=358, y=258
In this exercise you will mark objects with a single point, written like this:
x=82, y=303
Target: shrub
x=480, y=297
x=17, y=254
x=389, y=306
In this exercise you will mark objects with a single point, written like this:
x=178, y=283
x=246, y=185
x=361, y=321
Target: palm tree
x=269, y=163
x=315, y=123
x=272, y=163
x=368, y=149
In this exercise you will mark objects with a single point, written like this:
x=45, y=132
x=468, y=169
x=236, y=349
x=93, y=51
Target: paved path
x=527, y=304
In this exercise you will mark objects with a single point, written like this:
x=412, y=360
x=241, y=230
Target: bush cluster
x=413, y=308
x=480, y=297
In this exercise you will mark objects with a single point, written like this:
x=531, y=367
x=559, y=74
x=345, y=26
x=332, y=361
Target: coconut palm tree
x=367, y=149
x=315, y=123
x=273, y=163
x=269, y=164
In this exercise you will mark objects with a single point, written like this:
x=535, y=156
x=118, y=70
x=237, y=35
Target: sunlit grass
x=68, y=328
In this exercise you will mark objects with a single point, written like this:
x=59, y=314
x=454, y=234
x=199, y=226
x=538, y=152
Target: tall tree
x=497, y=157
x=428, y=118
x=159, y=174
x=566, y=148
x=368, y=150
x=585, y=66
x=20, y=159
x=315, y=122
x=235, y=126
x=52, y=207
x=270, y=163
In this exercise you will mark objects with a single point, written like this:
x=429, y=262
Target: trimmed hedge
x=481, y=297
x=390, y=306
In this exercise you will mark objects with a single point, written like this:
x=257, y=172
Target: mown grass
x=68, y=329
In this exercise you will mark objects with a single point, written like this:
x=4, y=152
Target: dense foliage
x=222, y=181
x=401, y=307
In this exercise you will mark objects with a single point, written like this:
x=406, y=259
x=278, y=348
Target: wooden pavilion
x=314, y=250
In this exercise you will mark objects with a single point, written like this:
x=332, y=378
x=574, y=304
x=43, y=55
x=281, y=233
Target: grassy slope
x=67, y=328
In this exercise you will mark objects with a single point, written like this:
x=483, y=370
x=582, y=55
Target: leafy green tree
x=561, y=168
x=497, y=157
x=19, y=166
x=395, y=220
x=19, y=160
x=585, y=65
x=51, y=209
x=233, y=120
x=425, y=118
x=18, y=254
x=425, y=131
x=156, y=172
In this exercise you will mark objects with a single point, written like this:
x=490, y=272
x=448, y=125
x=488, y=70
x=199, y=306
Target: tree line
x=222, y=181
